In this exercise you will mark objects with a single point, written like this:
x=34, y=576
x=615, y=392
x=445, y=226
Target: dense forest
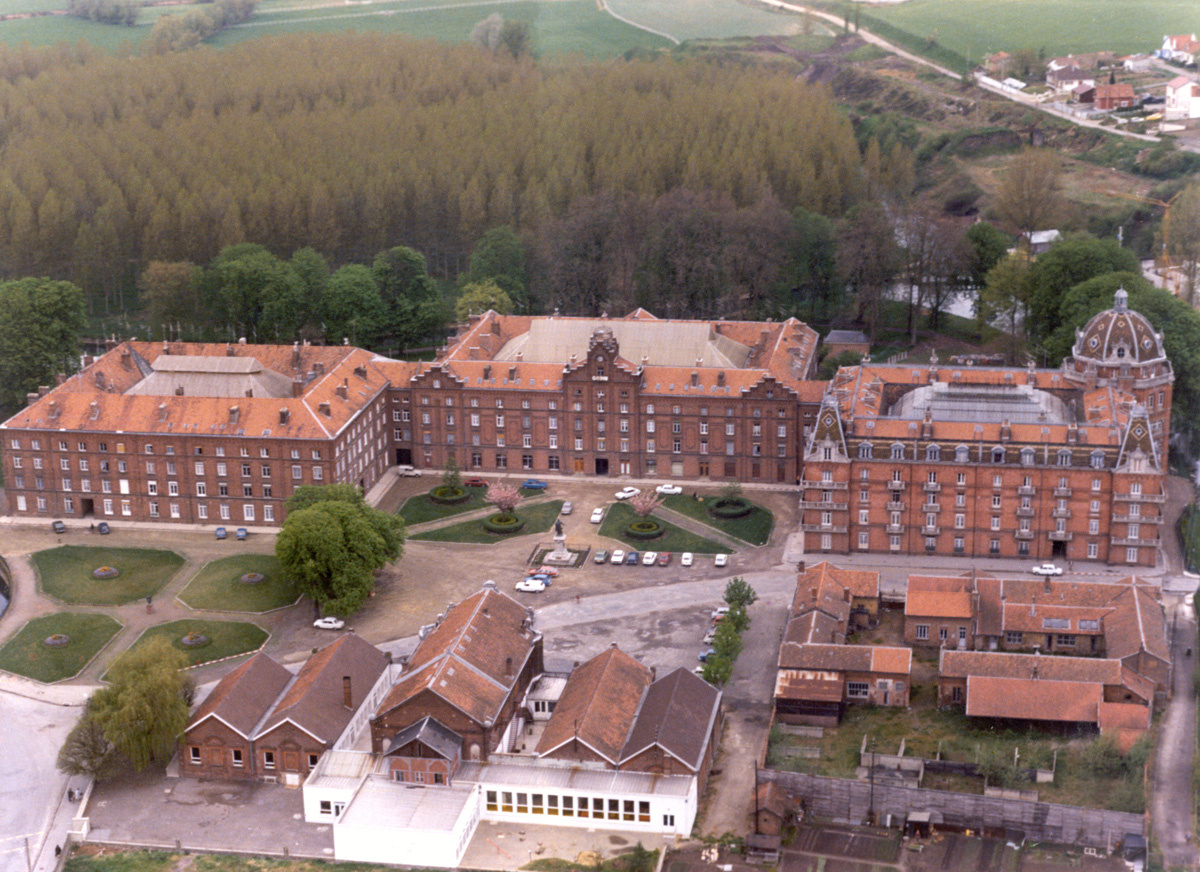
x=355, y=143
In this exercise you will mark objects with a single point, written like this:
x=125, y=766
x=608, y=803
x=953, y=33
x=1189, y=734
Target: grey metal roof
x=340, y=769
x=846, y=337
x=428, y=731
x=663, y=343
x=210, y=376
x=1017, y=404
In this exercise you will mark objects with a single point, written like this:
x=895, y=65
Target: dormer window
x=897, y=451
x=933, y=452
x=864, y=451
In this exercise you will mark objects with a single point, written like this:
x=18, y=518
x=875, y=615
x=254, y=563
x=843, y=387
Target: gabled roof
x=860, y=582
x=678, y=713
x=472, y=659
x=846, y=658
x=1136, y=624
x=1125, y=721
x=314, y=702
x=1003, y=664
x=440, y=739
x=938, y=597
x=242, y=697
x=1034, y=700
x=598, y=704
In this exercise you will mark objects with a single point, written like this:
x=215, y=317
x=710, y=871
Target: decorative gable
x=1139, y=452
x=828, y=433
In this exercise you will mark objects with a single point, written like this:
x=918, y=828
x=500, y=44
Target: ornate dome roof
x=1117, y=336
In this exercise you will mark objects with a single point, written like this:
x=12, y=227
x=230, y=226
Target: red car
x=664, y=559
x=476, y=482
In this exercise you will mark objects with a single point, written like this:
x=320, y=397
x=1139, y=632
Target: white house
x=1183, y=99
x=1181, y=49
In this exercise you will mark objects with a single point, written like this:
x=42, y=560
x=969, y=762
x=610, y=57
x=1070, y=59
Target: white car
x=567, y=508
x=668, y=489
x=531, y=585
x=626, y=493
x=618, y=557
x=330, y=623
x=710, y=635
x=721, y=560
x=1047, y=569
x=649, y=558
x=406, y=470
x=686, y=558
x=597, y=515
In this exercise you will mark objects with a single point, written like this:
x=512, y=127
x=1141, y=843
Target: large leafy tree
x=1074, y=260
x=332, y=542
x=1030, y=197
x=499, y=256
x=810, y=272
x=988, y=245
x=351, y=307
x=477, y=297
x=41, y=321
x=409, y=294
x=145, y=705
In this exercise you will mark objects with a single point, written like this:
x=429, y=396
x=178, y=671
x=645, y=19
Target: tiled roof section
x=894, y=660
x=1033, y=700
x=845, y=658
x=1137, y=684
x=473, y=658
x=938, y=597
x=315, y=700
x=96, y=399
x=808, y=684
x=816, y=627
x=770, y=797
x=430, y=732
x=678, y=713
x=1045, y=614
x=821, y=591
x=1119, y=334
x=999, y=664
x=598, y=704
x=860, y=582
x=242, y=697
x=1126, y=721
x=1135, y=624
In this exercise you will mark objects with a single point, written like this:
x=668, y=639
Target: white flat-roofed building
x=332, y=784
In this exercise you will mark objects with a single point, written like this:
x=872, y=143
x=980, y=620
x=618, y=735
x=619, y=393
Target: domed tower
x=1118, y=348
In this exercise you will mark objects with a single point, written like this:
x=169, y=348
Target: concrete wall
x=849, y=801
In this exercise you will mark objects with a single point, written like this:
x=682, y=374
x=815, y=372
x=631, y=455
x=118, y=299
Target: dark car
x=704, y=655
x=221, y=534
x=241, y=534
x=103, y=529
x=59, y=527
x=475, y=482
x=632, y=558
x=533, y=484
x=664, y=559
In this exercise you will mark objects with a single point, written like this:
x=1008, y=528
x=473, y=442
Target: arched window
x=897, y=451
x=997, y=454
x=1097, y=460
x=1027, y=457
x=1064, y=457
x=962, y=454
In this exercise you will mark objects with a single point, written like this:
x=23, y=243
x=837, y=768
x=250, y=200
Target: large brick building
x=977, y=461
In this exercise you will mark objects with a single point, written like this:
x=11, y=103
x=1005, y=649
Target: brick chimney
x=54, y=409
x=95, y=410
x=343, y=391
x=721, y=379
x=295, y=355
x=325, y=409
x=297, y=388
x=125, y=358
x=32, y=397
x=347, y=697
x=284, y=414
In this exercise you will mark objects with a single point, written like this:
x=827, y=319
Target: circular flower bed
x=503, y=524
x=58, y=640
x=731, y=507
x=251, y=578
x=194, y=640
x=449, y=496
x=644, y=529
x=106, y=572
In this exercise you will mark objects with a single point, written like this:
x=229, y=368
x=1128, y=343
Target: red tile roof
x=1033, y=700
x=938, y=597
x=242, y=697
x=1003, y=664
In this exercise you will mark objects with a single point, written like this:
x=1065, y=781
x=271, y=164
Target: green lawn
x=538, y=519
x=66, y=573
x=673, y=539
x=217, y=585
x=226, y=638
x=754, y=528
x=710, y=19
x=421, y=509
x=25, y=654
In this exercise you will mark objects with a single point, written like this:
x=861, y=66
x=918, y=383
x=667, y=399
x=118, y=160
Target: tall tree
x=988, y=245
x=477, y=297
x=811, y=269
x=41, y=321
x=170, y=291
x=867, y=258
x=351, y=307
x=1030, y=196
x=1004, y=298
x=1184, y=244
x=499, y=255
x=1075, y=259
x=408, y=293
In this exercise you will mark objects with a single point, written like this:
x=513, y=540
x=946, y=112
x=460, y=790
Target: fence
x=847, y=801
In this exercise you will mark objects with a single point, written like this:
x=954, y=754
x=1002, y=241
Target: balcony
x=1061, y=536
x=823, y=485
x=1026, y=490
x=1026, y=535
x=1062, y=491
x=1061, y=513
x=897, y=485
x=822, y=528
x=1142, y=543
x=1140, y=498
x=931, y=507
x=930, y=531
x=932, y=487
x=821, y=504
x=895, y=528
x=895, y=507
x=1137, y=519
x=1026, y=512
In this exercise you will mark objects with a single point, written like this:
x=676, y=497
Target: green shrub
x=503, y=524
x=449, y=496
x=644, y=529
x=730, y=507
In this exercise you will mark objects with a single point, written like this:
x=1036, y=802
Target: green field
x=66, y=573
x=538, y=519
x=710, y=19
x=226, y=638
x=754, y=528
x=673, y=539
x=25, y=654
x=218, y=585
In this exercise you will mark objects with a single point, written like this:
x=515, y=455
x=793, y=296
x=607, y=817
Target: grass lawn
x=66, y=573
x=673, y=538
x=710, y=19
x=538, y=519
x=421, y=509
x=217, y=585
x=226, y=638
x=754, y=528
x=25, y=654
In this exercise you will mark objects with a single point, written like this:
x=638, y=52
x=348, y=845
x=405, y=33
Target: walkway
x=1172, y=800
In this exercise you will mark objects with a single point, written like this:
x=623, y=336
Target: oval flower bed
x=106, y=572
x=644, y=529
x=449, y=496
x=193, y=640
x=251, y=578
x=731, y=507
x=503, y=524
x=56, y=640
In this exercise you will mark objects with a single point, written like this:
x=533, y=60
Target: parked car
x=719, y=613
x=631, y=559
x=664, y=559
x=531, y=585
x=59, y=527
x=686, y=558
x=567, y=508
x=329, y=623
x=544, y=570
x=602, y=556
x=542, y=577
x=669, y=489
x=407, y=471
x=1047, y=569
x=533, y=484
x=721, y=560
x=221, y=534
x=704, y=655
x=597, y=515
x=649, y=558
x=241, y=534
x=618, y=556
x=626, y=493
x=103, y=529
x=710, y=635
x=475, y=482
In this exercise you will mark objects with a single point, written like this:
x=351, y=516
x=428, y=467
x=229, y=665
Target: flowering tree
x=645, y=503
x=504, y=497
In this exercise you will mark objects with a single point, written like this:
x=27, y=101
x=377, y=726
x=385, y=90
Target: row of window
x=962, y=454
x=756, y=429
x=110, y=507
x=237, y=760
x=577, y=406
x=895, y=543
x=148, y=448
x=1026, y=488
x=568, y=805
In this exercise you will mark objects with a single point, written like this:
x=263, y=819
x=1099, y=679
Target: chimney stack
x=347, y=698
x=162, y=411
x=32, y=397
x=721, y=379
x=125, y=358
x=508, y=667
x=297, y=388
x=284, y=414
x=95, y=410
x=325, y=409
x=343, y=391
x=234, y=413
x=54, y=410
x=295, y=355
x=179, y=391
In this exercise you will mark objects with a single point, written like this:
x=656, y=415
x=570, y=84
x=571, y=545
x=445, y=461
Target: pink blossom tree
x=644, y=504
x=505, y=497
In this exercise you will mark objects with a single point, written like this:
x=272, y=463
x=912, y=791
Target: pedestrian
x=576, y=599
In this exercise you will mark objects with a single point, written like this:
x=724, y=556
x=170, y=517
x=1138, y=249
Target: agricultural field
x=710, y=19
x=978, y=27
